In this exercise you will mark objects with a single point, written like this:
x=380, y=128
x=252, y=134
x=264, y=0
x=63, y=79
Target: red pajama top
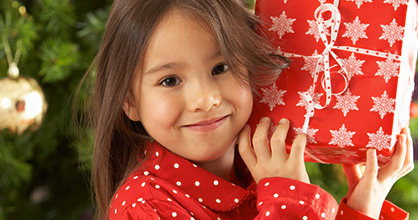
x=168, y=186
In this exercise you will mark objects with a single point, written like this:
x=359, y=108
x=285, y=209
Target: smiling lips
x=207, y=125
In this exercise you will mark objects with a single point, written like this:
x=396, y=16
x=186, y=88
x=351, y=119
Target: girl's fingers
x=372, y=167
x=278, y=145
x=260, y=139
x=394, y=167
x=298, y=149
x=408, y=165
x=245, y=149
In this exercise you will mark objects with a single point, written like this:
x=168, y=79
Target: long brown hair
x=119, y=141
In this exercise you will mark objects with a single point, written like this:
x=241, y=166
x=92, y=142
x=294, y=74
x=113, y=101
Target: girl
x=174, y=82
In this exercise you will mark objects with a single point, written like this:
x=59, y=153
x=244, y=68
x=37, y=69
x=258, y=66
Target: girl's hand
x=263, y=161
x=367, y=192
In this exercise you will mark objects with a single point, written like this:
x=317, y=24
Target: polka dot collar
x=207, y=188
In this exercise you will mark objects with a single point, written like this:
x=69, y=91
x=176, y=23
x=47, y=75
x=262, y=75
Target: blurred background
x=45, y=167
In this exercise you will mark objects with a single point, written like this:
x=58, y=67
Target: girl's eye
x=219, y=69
x=170, y=81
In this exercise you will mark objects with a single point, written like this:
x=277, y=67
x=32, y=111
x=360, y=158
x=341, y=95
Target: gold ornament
x=22, y=102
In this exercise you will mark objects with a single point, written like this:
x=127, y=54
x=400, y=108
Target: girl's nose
x=203, y=97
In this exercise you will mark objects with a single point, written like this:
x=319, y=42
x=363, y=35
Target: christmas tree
x=45, y=174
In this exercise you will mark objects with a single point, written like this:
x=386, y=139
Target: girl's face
x=184, y=94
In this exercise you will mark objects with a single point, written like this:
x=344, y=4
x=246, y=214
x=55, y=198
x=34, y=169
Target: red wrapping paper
x=350, y=81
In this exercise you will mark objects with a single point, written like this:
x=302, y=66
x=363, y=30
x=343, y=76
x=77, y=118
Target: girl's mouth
x=207, y=125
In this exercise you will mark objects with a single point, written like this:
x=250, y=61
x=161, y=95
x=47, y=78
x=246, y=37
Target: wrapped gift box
x=350, y=81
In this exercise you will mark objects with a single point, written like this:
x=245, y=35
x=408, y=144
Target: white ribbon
x=323, y=64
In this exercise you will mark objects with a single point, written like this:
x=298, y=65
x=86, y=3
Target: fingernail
x=264, y=119
x=283, y=121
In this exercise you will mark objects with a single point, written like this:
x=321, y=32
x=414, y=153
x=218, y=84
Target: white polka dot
x=174, y=191
x=157, y=153
x=267, y=213
x=292, y=187
x=116, y=211
x=187, y=195
x=140, y=199
x=178, y=183
x=197, y=183
x=127, y=187
x=218, y=201
x=157, y=167
x=236, y=200
x=219, y=218
x=143, y=184
x=143, y=201
x=215, y=182
x=276, y=195
x=301, y=202
x=200, y=200
x=155, y=210
x=266, y=184
x=168, y=199
x=333, y=210
x=260, y=203
x=133, y=205
x=192, y=218
x=116, y=196
x=191, y=213
x=283, y=206
x=146, y=173
x=392, y=209
x=305, y=217
x=194, y=165
x=123, y=203
x=174, y=214
x=317, y=196
x=135, y=177
x=157, y=186
x=323, y=215
x=176, y=165
x=342, y=212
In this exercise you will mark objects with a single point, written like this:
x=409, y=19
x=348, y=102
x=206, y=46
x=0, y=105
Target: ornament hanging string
x=12, y=60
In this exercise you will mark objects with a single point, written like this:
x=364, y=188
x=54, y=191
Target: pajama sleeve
x=282, y=198
x=389, y=211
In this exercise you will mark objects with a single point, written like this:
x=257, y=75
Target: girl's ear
x=130, y=108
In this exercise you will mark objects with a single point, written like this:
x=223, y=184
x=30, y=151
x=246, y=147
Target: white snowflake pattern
x=314, y=29
x=359, y=2
x=272, y=96
x=303, y=102
x=352, y=66
x=310, y=135
x=379, y=140
x=282, y=24
x=311, y=63
x=383, y=104
x=396, y=3
x=355, y=30
x=388, y=69
x=346, y=153
x=346, y=102
x=392, y=32
x=342, y=137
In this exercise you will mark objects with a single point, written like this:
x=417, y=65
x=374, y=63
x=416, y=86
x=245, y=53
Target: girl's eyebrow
x=173, y=65
x=162, y=67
